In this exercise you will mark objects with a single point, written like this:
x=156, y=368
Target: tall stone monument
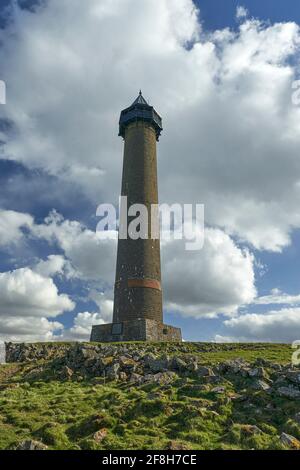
x=138, y=314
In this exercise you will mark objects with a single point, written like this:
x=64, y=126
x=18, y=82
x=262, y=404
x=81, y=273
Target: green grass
x=186, y=413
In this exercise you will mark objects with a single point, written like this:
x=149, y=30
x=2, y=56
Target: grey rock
x=289, y=441
x=31, y=445
x=218, y=390
x=235, y=366
x=192, y=366
x=261, y=385
x=251, y=429
x=297, y=418
x=112, y=372
x=66, y=373
x=136, y=378
x=289, y=392
x=100, y=435
x=163, y=378
x=157, y=364
x=205, y=372
x=293, y=376
x=179, y=364
x=258, y=372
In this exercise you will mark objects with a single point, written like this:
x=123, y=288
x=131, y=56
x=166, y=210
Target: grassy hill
x=208, y=397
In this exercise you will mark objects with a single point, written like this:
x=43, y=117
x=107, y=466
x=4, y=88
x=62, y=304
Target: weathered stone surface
x=290, y=441
x=293, y=376
x=66, y=373
x=31, y=445
x=261, y=385
x=236, y=366
x=100, y=435
x=289, y=392
x=258, y=372
x=162, y=378
x=218, y=390
x=136, y=330
x=179, y=364
x=156, y=364
x=250, y=429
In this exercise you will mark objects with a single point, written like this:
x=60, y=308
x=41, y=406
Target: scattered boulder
x=162, y=378
x=258, y=372
x=66, y=373
x=293, y=376
x=100, y=435
x=205, y=372
x=157, y=364
x=136, y=378
x=179, y=364
x=112, y=372
x=289, y=392
x=250, y=429
x=290, y=441
x=31, y=445
x=236, y=366
x=261, y=385
x=176, y=445
x=218, y=390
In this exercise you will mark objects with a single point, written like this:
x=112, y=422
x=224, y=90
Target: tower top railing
x=140, y=110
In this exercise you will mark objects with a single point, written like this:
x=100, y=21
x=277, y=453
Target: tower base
x=135, y=330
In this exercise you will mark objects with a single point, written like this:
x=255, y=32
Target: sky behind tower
x=221, y=75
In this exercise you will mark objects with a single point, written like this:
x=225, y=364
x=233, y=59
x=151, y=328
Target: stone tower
x=138, y=294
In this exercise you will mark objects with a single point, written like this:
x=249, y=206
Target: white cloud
x=55, y=265
x=241, y=12
x=27, y=300
x=278, y=297
x=83, y=322
x=230, y=94
x=20, y=329
x=11, y=225
x=274, y=326
x=92, y=258
x=26, y=293
x=217, y=279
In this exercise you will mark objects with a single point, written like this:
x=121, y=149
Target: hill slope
x=149, y=396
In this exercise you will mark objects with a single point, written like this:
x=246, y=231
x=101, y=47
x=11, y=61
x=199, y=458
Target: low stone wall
x=26, y=352
x=152, y=362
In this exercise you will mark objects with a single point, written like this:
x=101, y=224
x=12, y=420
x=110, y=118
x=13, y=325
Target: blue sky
x=61, y=152
x=221, y=14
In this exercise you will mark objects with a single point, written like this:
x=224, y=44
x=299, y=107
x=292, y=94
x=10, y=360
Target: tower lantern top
x=140, y=110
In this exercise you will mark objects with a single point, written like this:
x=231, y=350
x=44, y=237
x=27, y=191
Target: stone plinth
x=135, y=330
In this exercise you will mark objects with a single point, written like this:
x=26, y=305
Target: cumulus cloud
x=241, y=12
x=237, y=148
x=27, y=300
x=83, y=322
x=92, y=257
x=19, y=329
x=274, y=326
x=217, y=279
x=278, y=297
x=26, y=293
x=55, y=265
x=12, y=224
